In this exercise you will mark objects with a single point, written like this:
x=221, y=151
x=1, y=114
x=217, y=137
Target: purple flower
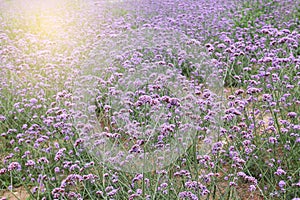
x=280, y=172
x=14, y=166
x=113, y=192
x=2, y=118
x=3, y=171
x=281, y=184
x=188, y=194
x=30, y=163
x=33, y=101
x=56, y=170
x=272, y=140
x=99, y=192
x=10, y=187
x=59, y=154
x=58, y=192
x=232, y=184
x=43, y=160
x=241, y=174
x=292, y=114
x=252, y=188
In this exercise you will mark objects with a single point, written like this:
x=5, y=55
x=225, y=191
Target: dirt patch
x=17, y=194
x=241, y=190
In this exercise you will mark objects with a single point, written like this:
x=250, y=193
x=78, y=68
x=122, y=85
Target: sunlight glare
x=46, y=18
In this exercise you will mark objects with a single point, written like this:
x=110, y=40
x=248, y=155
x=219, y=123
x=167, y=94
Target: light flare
x=46, y=18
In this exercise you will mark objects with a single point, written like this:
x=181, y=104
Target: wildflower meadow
x=150, y=99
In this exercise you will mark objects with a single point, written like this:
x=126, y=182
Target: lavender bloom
x=30, y=163
x=112, y=192
x=2, y=118
x=280, y=172
x=14, y=166
x=188, y=195
x=252, y=188
x=281, y=184
x=56, y=170
x=3, y=171
x=292, y=114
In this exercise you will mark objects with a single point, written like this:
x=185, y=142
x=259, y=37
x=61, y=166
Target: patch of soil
x=17, y=194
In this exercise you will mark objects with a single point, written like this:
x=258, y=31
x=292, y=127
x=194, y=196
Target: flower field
x=145, y=99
